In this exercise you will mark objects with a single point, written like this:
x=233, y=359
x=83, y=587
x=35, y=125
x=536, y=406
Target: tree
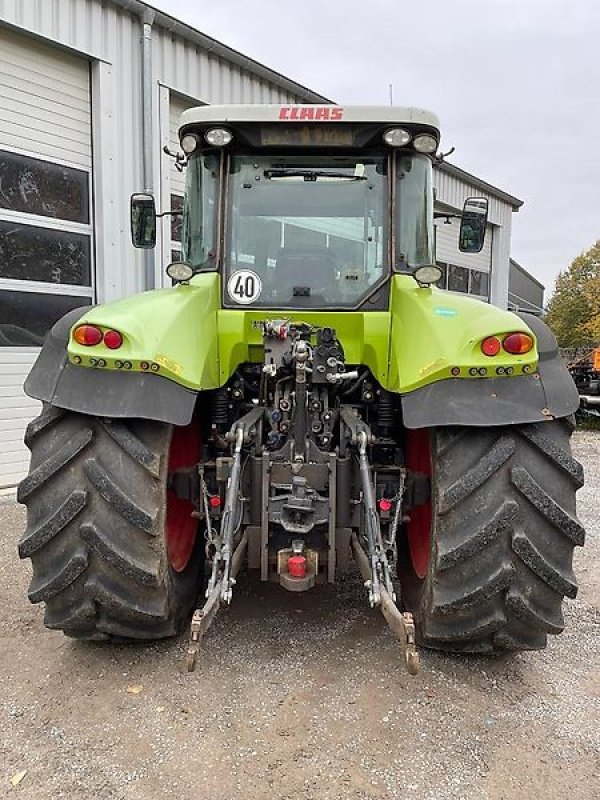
x=573, y=313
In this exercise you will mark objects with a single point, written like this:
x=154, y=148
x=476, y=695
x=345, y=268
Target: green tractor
x=303, y=397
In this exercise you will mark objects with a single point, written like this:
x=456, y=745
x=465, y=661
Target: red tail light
x=113, y=340
x=87, y=335
x=517, y=343
x=491, y=346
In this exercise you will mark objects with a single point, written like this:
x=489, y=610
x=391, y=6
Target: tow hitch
x=373, y=564
x=228, y=557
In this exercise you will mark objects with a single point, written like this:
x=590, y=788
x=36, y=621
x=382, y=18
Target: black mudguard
x=103, y=393
x=550, y=394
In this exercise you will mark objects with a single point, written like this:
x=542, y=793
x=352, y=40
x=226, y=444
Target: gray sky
x=516, y=84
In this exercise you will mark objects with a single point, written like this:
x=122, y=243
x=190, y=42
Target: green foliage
x=573, y=313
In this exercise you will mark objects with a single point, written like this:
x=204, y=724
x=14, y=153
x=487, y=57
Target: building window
x=458, y=278
x=29, y=253
x=26, y=317
x=176, y=226
x=31, y=186
x=443, y=281
x=46, y=246
x=479, y=284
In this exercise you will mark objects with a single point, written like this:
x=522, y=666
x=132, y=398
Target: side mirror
x=143, y=221
x=473, y=224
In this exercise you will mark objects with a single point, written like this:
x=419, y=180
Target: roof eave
x=516, y=264
x=457, y=172
x=175, y=26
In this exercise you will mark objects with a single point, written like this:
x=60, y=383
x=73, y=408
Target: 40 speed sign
x=244, y=286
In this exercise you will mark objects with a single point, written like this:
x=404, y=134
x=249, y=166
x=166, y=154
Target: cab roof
x=257, y=113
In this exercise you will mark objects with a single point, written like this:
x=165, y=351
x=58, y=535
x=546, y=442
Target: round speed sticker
x=244, y=286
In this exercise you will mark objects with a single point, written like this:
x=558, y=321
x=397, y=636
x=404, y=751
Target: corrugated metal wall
x=110, y=37
x=446, y=247
x=524, y=292
x=452, y=192
x=191, y=71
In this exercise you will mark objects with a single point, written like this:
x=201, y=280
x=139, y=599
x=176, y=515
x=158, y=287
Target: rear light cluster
x=90, y=335
x=517, y=344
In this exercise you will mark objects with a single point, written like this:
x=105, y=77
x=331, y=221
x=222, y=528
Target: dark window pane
x=479, y=283
x=458, y=278
x=26, y=317
x=441, y=284
x=38, y=187
x=176, y=219
x=40, y=254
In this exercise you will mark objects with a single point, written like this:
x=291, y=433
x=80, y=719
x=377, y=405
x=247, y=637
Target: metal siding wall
x=452, y=193
x=116, y=90
x=177, y=106
x=112, y=37
x=16, y=411
x=191, y=71
x=525, y=291
x=44, y=100
x=446, y=247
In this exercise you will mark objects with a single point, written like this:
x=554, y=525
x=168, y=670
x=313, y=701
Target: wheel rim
x=418, y=459
x=181, y=526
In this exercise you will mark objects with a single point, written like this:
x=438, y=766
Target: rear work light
x=517, y=344
x=491, y=346
x=87, y=335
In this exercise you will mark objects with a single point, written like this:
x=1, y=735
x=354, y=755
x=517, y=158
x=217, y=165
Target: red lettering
x=318, y=113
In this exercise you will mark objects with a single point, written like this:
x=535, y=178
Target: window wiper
x=311, y=174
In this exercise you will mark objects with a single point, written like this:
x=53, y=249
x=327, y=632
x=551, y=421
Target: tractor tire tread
x=95, y=534
x=504, y=530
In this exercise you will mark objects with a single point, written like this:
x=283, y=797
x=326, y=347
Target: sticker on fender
x=244, y=286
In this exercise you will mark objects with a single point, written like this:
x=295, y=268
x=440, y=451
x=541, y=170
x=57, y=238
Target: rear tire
x=96, y=514
x=501, y=538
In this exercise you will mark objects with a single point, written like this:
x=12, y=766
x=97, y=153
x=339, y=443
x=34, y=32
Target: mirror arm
x=441, y=157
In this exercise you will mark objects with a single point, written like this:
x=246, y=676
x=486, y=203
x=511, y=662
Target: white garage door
x=46, y=248
x=464, y=272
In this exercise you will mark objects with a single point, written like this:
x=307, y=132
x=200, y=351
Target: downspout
x=147, y=129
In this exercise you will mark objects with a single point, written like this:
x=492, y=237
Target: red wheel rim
x=418, y=459
x=181, y=526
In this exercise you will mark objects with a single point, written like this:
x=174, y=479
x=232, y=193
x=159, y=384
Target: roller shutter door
x=46, y=232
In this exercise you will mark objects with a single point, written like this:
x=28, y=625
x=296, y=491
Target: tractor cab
x=307, y=206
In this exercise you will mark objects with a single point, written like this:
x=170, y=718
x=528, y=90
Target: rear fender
x=548, y=393
x=173, y=331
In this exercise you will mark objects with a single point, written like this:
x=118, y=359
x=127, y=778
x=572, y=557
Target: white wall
x=452, y=192
x=110, y=37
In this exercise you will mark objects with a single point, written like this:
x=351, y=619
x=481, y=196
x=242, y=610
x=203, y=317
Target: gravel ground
x=299, y=697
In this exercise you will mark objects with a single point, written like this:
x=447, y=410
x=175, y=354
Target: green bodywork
x=184, y=335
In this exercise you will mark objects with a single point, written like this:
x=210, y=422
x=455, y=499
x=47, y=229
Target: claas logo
x=317, y=113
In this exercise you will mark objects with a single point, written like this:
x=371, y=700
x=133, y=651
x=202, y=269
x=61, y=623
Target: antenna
x=391, y=88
